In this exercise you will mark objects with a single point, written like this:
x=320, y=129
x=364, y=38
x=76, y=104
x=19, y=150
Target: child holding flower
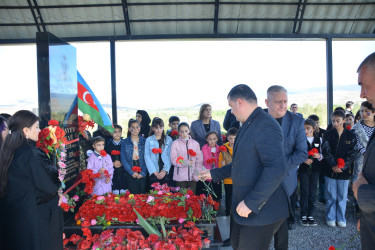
x=308, y=174
x=113, y=148
x=339, y=150
x=100, y=162
x=157, y=153
x=133, y=160
x=211, y=154
x=185, y=173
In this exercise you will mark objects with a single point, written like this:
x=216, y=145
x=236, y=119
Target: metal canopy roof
x=79, y=20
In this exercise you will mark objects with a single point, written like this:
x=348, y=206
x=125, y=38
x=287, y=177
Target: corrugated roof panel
x=153, y=28
x=195, y=27
x=16, y=16
x=83, y=30
x=15, y=2
x=152, y=12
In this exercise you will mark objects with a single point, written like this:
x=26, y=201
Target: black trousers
x=308, y=186
x=281, y=235
x=228, y=198
x=253, y=237
x=136, y=186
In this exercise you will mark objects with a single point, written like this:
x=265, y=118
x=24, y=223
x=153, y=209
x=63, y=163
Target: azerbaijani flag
x=89, y=104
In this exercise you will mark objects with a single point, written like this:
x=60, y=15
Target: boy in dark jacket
x=339, y=150
x=113, y=148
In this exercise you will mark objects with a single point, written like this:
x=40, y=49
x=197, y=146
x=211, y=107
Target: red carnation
x=340, y=163
x=348, y=127
x=174, y=133
x=179, y=159
x=74, y=238
x=136, y=169
x=103, y=153
x=53, y=123
x=331, y=248
x=65, y=207
x=223, y=149
x=313, y=151
x=211, y=161
x=44, y=133
x=157, y=150
x=84, y=244
x=115, y=152
x=192, y=153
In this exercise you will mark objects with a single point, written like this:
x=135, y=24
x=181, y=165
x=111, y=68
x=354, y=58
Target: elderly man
x=295, y=148
x=364, y=187
x=259, y=202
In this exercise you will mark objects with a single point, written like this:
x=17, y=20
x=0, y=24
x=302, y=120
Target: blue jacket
x=198, y=132
x=295, y=147
x=127, y=155
x=152, y=160
x=257, y=170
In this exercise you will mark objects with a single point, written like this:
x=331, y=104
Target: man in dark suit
x=259, y=202
x=295, y=148
x=364, y=187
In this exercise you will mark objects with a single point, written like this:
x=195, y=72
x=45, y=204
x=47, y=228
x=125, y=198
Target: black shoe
x=322, y=201
x=226, y=243
x=304, y=221
x=290, y=226
x=312, y=222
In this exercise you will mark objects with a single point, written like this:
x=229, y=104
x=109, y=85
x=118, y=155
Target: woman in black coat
x=28, y=195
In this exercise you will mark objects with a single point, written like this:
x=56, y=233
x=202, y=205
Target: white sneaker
x=341, y=224
x=331, y=223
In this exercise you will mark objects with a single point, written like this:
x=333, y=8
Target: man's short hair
x=275, y=89
x=173, y=118
x=242, y=91
x=348, y=104
x=232, y=132
x=293, y=104
x=349, y=115
x=368, y=62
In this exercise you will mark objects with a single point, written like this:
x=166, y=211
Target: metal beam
x=267, y=36
x=329, y=78
x=199, y=20
x=299, y=16
x=186, y=3
x=34, y=16
x=40, y=16
x=113, y=79
x=125, y=10
x=216, y=16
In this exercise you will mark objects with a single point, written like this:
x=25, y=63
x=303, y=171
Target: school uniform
x=118, y=179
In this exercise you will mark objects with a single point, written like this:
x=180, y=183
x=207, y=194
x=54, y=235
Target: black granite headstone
x=57, y=93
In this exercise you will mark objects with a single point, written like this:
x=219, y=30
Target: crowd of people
x=259, y=161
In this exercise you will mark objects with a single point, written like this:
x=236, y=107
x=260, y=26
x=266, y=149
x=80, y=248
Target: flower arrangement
x=183, y=238
x=172, y=205
x=52, y=141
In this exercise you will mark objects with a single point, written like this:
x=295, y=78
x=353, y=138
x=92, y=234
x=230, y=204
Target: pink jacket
x=95, y=163
x=206, y=150
x=181, y=171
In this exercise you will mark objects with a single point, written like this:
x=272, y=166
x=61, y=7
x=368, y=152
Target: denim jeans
x=336, y=196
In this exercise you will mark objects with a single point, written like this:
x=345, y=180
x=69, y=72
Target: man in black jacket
x=364, y=187
x=259, y=202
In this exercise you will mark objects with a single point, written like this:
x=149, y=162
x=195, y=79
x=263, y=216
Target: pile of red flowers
x=187, y=237
x=112, y=208
x=312, y=152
